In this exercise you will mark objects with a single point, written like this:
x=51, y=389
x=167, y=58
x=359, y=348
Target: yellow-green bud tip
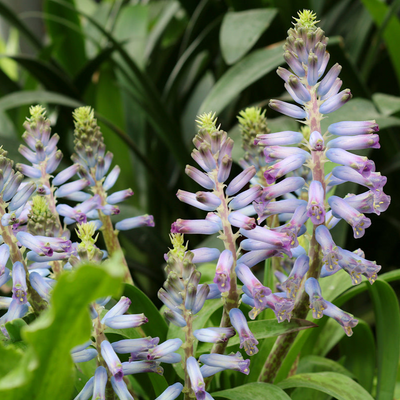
x=307, y=19
x=178, y=248
x=39, y=205
x=85, y=232
x=251, y=115
x=207, y=121
x=37, y=113
x=83, y=115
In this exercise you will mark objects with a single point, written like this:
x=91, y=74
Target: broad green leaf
x=46, y=370
x=200, y=321
x=266, y=329
x=70, y=44
x=50, y=77
x=14, y=329
x=109, y=104
x=247, y=71
x=241, y=30
x=321, y=364
x=253, y=391
x=360, y=356
x=387, y=317
x=13, y=19
x=131, y=29
x=336, y=385
x=10, y=357
x=391, y=33
x=142, y=304
x=386, y=103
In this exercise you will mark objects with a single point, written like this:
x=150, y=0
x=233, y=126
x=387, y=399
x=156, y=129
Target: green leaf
x=142, y=304
x=360, y=354
x=247, y=71
x=386, y=103
x=17, y=22
x=321, y=364
x=29, y=97
x=210, y=307
x=336, y=385
x=391, y=34
x=387, y=317
x=241, y=30
x=14, y=329
x=50, y=77
x=10, y=357
x=70, y=44
x=46, y=370
x=266, y=329
x=253, y=391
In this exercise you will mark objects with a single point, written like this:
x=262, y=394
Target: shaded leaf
x=337, y=385
x=320, y=364
x=247, y=71
x=241, y=30
x=253, y=391
x=386, y=103
x=387, y=317
x=14, y=329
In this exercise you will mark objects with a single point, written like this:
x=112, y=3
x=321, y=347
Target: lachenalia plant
x=287, y=187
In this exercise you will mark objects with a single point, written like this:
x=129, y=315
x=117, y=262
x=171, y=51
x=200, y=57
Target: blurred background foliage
x=149, y=67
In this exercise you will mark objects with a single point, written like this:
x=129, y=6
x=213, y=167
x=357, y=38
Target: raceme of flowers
x=282, y=205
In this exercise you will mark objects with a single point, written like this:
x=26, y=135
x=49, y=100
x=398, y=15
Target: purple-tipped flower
x=349, y=128
x=171, y=392
x=245, y=198
x=42, y=286
x=247, y=339
x=65, y=174
x=279, y=138
x=19, y=283
x=196, y=379
x=288, y=109
x=292, y=284
x=200, y=177
x=358, y=221
x=355, y=142
x=100, y=381
x=361, y=164
x=317, y=141
x=120, y=308
x=330, y=78
x=283, y=167
x=294, y=63
x=126, y=321
x=331, y=255
x=117, y=197
x=236, y=218
x=175, y=318
x=135, y=222
x=257, y=290
x=317, y=304
x=285, y=186
x=316, y=208
x=347, y=321
x=71, y=187
x=234, y=361
x=135, y=345
x=214, y=335
x=113, y=363
x=375, y=181
x=163, y=349
x=205, y=254
x=272, y=153
x=4, y=256
x=334, y=103
x=223, y=271
x=87, y=392
x=120, y=388
x=22, y=196
x=240, y=181
x=194, y=226
x=138, y=367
